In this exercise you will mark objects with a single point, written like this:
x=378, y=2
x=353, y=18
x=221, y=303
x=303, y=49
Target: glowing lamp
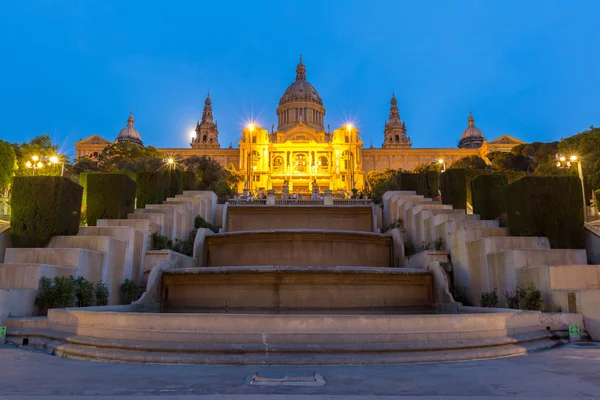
x=40, y=165
x=562, y=158
x=573, y=158
x=28, y=164
x=35, y=158
x=54, y=160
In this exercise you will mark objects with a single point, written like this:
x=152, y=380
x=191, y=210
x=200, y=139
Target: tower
x=207, y=130
x=129, y=133
x=394, y=131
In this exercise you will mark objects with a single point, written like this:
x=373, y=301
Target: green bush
x=85, y=295
x=200, y=222
x=598, y=201
x=489, y=299
x=131, y=290
x=532, y=298
x=548, y=206
x=151, y=188
x=488, y=200
x=513, y=299
x=42, y=207
x=161, y=242
x=453, y=184
x=58, y=292
x=101, y=294
x=107, y=196
x=432, y=183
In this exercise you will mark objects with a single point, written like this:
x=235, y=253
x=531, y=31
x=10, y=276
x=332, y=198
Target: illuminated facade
x=302, y=152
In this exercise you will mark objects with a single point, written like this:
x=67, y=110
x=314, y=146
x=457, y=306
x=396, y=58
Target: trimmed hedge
x=42, y=207
x=189, y=180
x=598, y=201
x=409, y=181
x=430, y=184
x=472, y=173
x=151, y=188
x=453, y=183
x=550, y=206
x=176, y=183
x=109, y=196
x=488, y=200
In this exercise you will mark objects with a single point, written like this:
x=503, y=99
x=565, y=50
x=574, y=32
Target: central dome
x=300, y=103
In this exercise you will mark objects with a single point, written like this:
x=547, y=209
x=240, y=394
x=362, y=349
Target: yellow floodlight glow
x=573, y=158
x=440, y=161
x=54, y=160
x=35, y=158
x=40, y=165
x=562, y=158
x=251, y=127
x=28, y=164
x=349, y=127
x=170, y=160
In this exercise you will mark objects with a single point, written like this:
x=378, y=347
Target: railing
x=299, y=202
x=246, y=202
x=352, y=202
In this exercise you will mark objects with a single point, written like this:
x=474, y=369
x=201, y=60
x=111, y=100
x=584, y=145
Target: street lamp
x=443, y=164
x=563, y=163
x=55, y=160
x=251, y=167
x=36, y=164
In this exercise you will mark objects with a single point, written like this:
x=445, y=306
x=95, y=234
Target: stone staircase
x=112, y=251
x=485, y=257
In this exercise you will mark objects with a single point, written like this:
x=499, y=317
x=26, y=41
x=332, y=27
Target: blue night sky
x=71, y=69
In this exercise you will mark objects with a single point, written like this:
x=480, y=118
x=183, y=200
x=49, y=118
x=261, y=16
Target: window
x=256, y=178
x=397, y=138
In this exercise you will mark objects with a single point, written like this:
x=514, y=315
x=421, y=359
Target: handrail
x=299, y=202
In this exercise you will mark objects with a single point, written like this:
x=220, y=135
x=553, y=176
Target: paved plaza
x=564, y=373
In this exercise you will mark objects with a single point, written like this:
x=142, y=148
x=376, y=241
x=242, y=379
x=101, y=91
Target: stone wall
x=343, y=218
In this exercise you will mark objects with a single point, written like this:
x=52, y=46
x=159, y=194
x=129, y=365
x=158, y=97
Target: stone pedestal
x=328, y=198
x=271, y=198
x=315, y=191
x=285, y=191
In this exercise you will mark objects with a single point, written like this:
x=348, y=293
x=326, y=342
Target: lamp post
x=56, y=160
x=563, y=163
x=443, y=164
x=351, y=157
x=250, y=157
x=36, y=164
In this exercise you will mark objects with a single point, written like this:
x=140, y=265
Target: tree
x=130, y=156
x=469, y=162
x=8, y=165
x=381, y=182
x=42, y=147
x=207, y=170
x=432, y=166
x=586, y=146
x=504, y=161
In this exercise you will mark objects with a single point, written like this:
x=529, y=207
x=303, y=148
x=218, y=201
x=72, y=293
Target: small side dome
x=472, y=137
x=129, y=133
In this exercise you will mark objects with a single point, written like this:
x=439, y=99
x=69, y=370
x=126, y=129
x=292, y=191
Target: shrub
x=161, y=242
x=548, y=206
x=58, y=292
x=453, y=184
x=150, y=188
x=488, y=200
x=473, y=173
x=109, y=196
x=184, y=247
x=459, y=294
x=431, y=181
x=513, y=299
x=489, y=299
x=532, y=298
x=131, y=290
x=101, y=293
x=42, y=207
x=85, y=295
x=200, y=222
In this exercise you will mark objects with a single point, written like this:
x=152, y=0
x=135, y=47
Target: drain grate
x=289, y=379
x=586, y=344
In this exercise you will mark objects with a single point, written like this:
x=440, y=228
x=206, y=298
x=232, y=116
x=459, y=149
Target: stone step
x=169, y=219
x=82, y=262
x=145, y=225
x=137, y=243
x=176, y=260
x=156, y=219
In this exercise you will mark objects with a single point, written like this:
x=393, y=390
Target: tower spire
x=300, y=70
x=130, y=119
x=471, y=120
x=207, y=116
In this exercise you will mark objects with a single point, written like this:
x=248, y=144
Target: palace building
x=302, y=150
